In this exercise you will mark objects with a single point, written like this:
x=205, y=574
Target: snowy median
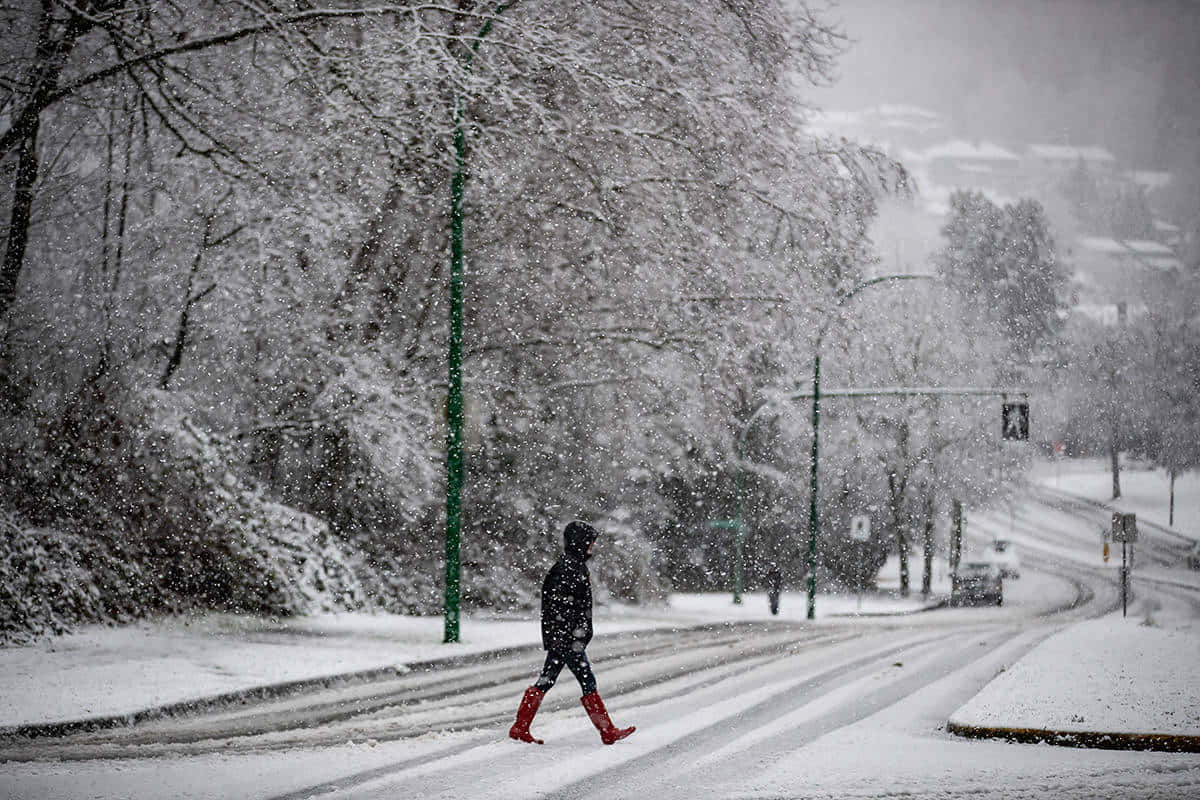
x=1115, y=682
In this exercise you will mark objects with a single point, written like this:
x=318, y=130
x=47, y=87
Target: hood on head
x=578, y=537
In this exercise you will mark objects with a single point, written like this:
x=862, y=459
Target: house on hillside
x=1168, y=234
x=1157, y=186
x=905, y=127
x=1109, y=273
x=893, y=128
x=1151, y=180
x=960, y=164
x=1056, y=160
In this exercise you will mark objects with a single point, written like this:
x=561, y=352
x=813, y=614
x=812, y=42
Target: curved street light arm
x=892, y=278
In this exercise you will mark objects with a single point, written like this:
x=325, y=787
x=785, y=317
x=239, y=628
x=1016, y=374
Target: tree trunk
x=927, y=543
x=49, y=56
x=1171, y=505
x=956, y=530
x=189, y=300
x=1114, y=457
x=900, y=520
x=18, y=219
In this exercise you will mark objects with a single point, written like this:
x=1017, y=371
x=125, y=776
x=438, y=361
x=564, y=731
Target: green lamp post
x=454, y=397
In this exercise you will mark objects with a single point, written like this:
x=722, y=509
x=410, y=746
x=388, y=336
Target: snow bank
x=103, y=672
x=1113, y=674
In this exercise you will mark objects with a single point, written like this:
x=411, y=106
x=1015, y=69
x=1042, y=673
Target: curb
x=933, y=606
x=1163, y=742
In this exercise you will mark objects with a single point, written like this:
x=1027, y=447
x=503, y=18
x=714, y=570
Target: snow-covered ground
x=101, y=671
x=115, y=671
x=1144, y=491
x=857, y=708
x=1126, y=674
x=903, y=752
x=1115, y=674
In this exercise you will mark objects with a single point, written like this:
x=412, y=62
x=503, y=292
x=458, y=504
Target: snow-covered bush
x=626, y=569
x=51, y=580
x=223, y=543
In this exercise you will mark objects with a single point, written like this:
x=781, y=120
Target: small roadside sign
x=1124, y=530
x=1014, y=418
x=860, y=528
x=1124, y=527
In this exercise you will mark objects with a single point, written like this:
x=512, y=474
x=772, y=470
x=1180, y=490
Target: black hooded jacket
x=567, y=593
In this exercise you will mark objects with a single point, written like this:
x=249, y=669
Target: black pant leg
x=550, y=670
x=579, y=664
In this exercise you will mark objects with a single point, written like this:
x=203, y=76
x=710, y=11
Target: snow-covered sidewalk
x=1111, y=682
x=102, y=673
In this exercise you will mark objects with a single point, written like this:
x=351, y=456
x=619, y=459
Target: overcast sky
x=1124, y=74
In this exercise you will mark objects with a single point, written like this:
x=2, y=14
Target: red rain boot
x=529, y=706
x=598, y=714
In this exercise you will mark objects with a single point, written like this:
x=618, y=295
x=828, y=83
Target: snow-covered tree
x=906, y=458
x=240, y=231
x=1003, y=261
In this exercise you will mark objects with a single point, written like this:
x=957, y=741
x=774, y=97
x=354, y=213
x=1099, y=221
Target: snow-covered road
x=848, y=707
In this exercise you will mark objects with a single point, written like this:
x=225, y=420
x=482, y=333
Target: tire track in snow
x=771, y=731
x=807, y=672
x=453, y=699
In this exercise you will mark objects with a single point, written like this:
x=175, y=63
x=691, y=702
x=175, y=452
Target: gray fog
x=1121, y=74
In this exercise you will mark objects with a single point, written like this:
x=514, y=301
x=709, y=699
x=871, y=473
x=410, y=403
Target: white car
x=1004, y=555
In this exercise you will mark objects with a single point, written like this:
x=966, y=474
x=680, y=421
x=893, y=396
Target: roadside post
x=1014, y=420
x=956, y=532
x=738, y=534
x=1060, y=452
x=860, y=531
x=1124, y=530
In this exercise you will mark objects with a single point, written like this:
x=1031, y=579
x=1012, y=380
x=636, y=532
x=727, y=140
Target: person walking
x=774, y=589
x=566, y=632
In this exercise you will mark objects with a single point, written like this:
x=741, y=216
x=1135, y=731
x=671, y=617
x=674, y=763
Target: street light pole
x=813, y=517
x=812, y=484
x=454, y=395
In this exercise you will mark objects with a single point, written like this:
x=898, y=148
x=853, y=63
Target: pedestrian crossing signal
x=1015, y=421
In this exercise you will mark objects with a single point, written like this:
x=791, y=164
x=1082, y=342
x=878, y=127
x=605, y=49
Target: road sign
x=1124, y=527
x=1124, y=530
x=1014, y=421
x=860, y=528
